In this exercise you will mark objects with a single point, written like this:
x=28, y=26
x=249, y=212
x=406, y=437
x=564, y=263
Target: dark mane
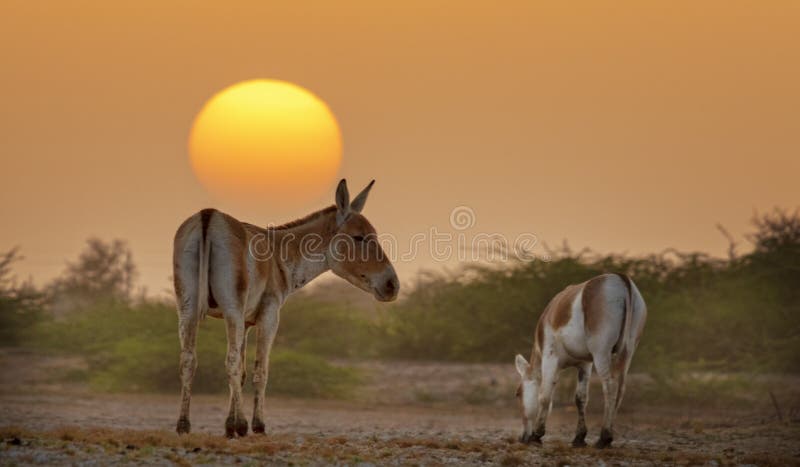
x=303, y=220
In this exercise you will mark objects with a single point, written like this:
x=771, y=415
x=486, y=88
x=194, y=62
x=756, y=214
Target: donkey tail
x=625, y=339
x=204, y=251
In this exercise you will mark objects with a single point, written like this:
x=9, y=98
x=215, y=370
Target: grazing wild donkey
x=243, y=273
x=597, y=323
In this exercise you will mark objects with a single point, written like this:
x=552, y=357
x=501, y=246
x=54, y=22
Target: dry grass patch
x=178, y=460
x=430, y=443
x=512, y=460
x=144, y=439
x=10, y=432
x=142, y=445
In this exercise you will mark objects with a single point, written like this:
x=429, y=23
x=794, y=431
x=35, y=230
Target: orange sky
x=624, y=126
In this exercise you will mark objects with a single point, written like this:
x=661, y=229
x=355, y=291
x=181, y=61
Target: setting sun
x=265, y=140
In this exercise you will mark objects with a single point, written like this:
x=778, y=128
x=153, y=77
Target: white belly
x=570, y=339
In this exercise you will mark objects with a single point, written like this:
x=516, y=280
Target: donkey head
x=355, y=253
x=527, y=393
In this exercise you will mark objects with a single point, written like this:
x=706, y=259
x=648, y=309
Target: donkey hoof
x=241, y=427
x=184, y=426
x=605, y=439
x=259, y=426
x=230, y=427
x=578, y=443
x=603, y=443
x=235, y=426
x=530, y=439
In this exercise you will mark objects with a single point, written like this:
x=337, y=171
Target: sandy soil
x=43, y=422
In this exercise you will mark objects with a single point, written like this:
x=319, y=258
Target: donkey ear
x=342, y=202
x=522, y=366
x=359, y=201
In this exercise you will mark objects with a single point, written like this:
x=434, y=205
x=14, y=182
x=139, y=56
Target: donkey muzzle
x=388, y=288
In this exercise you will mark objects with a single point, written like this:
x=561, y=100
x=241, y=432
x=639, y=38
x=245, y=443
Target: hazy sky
x=623, y=126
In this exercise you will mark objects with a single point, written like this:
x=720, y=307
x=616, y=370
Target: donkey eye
x=358, y=238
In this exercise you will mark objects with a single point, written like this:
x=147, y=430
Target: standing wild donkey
x=598, y=322
x=243, y=273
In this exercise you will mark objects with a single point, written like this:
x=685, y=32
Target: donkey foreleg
x=548, y=383
x=267, y=328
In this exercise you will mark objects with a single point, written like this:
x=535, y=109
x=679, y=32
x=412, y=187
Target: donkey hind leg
x=267, y=328
x=187, y=332
x=603, y=366
x=581, y=399
x=243, y=359
x=236, y=422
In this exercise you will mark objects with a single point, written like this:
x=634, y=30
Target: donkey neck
x=536, y=369
x=302, y=248
x=536, y=364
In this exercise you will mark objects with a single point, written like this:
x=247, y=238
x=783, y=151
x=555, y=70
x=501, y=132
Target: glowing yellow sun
x=265, y=141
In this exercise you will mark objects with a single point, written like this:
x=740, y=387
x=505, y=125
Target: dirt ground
x=46, y=422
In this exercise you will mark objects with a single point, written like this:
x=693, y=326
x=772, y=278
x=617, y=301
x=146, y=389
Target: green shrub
x=736, y=314
x=21, y=305
x=18, y=321
x=136, y=349
x=298, y=374
x=152, y=366
x=327, y=327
